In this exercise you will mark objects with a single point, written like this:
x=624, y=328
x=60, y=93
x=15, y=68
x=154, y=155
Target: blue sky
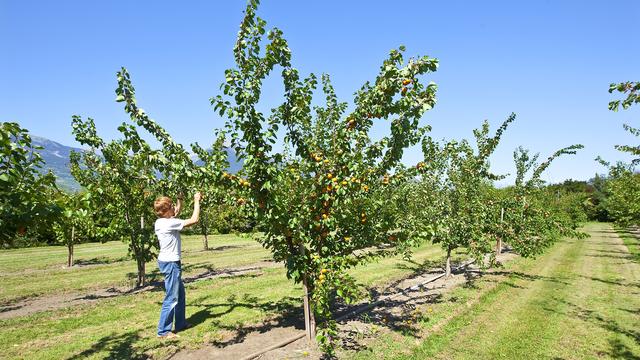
x=550, y=62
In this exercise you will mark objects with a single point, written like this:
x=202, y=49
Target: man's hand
x=197, y=196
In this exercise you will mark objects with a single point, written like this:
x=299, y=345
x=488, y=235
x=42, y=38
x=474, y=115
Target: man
x=167, y=229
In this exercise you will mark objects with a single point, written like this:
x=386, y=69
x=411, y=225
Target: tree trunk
x=309, y=316
x=141, y=281
x=447, y=270
x=141, y=265
x=205, y=231
x=499, y=241
x=204, y=226
x=70, y=247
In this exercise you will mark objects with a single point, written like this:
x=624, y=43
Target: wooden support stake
x=499, y=243
x=73, y=239
x=309, y=318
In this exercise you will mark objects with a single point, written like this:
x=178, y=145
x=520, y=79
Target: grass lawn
x=42, y=271
x=124, y=326
x=578, y=301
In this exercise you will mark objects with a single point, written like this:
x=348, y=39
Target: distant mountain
x=56, y=158
x=235, y=165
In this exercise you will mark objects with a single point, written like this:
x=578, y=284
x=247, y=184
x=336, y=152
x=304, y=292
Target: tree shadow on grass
x=119, y=346
x=604, y=231
x=155, y=277
x=400, y=316
x=155, y=281
x=529, y=277
x=403, y=314
x=421, y=267
x=9, y=308
x=217, y=249
x=102, y=260
x=223, y=272
x=610, y=256
x=471, y=277
x=607, y=251
x=621, y=351
x=634, y=312
x=593, y=317
x=288, y=310
x=611, y=282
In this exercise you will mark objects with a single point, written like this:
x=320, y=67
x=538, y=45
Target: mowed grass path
x=124, y=327
x=581, y=300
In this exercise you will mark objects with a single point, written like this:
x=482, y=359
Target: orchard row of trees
x=324, y=193
x=622, y=189
x=119, y=181
x=329, y=197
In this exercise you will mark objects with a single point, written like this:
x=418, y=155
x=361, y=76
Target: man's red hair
x=162, y=206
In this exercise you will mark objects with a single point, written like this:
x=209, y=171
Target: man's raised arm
x=196, y=210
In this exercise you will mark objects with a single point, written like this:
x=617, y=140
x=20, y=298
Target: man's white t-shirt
x=168, y=233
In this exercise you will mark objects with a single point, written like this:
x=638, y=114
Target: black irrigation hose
x=355, y=312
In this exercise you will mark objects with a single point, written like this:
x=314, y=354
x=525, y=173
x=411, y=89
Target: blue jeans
x=174, y=302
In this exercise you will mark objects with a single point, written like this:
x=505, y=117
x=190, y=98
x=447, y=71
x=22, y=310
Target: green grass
x=125, y=326
x=42, y=271
x=578, y=301
x=632, y=242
